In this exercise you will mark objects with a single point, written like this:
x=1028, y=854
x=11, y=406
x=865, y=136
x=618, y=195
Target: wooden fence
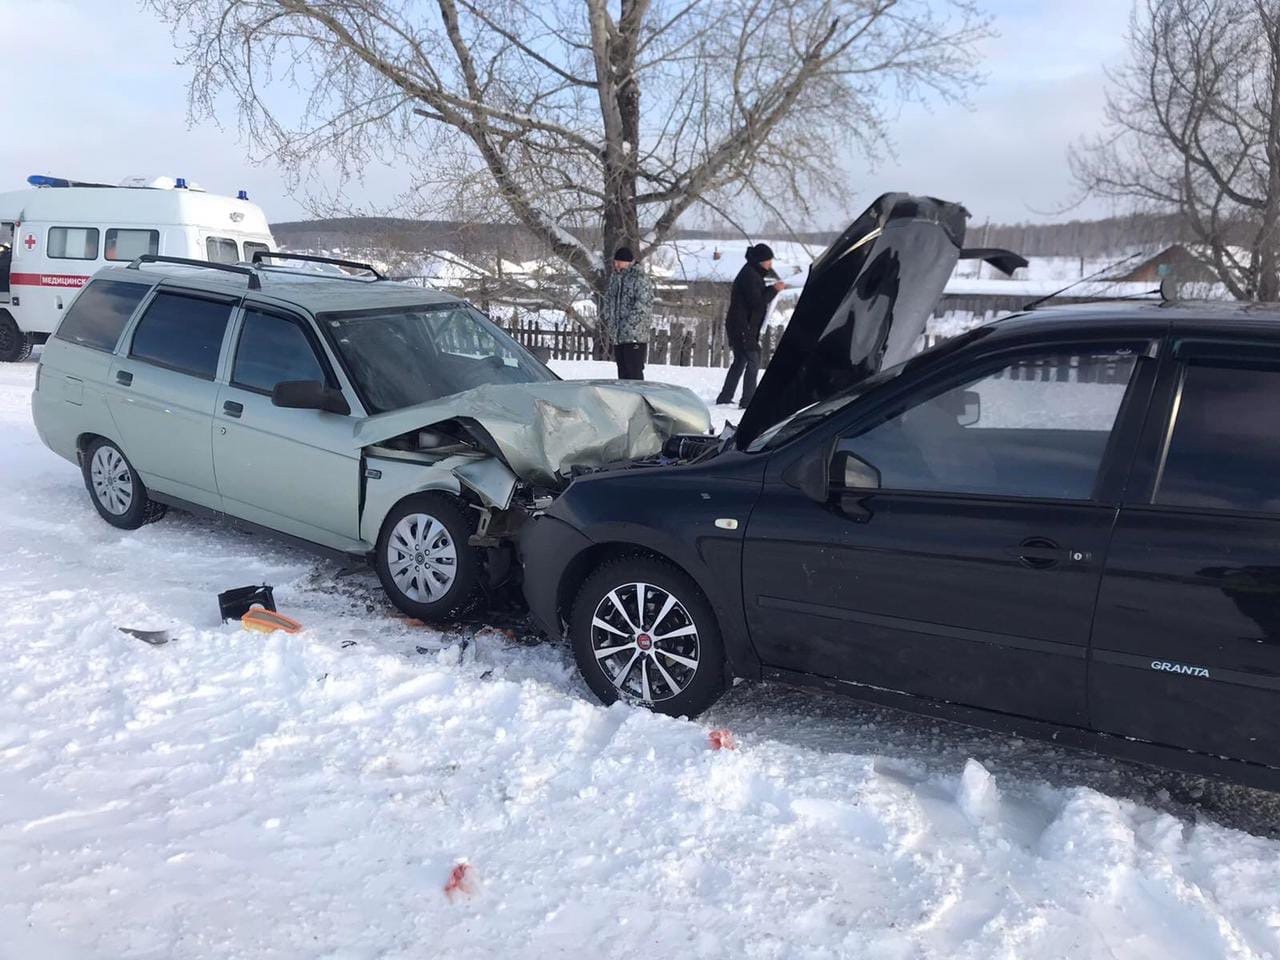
x=695, y=345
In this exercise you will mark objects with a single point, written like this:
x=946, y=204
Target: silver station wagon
x=358, y=415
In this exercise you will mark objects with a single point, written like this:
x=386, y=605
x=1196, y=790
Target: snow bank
x=231, y=795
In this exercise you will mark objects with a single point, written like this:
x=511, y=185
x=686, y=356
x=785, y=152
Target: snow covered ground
x=234, y=795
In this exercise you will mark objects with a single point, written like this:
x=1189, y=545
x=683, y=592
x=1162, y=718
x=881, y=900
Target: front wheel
x=424, y=560
x=642, y=631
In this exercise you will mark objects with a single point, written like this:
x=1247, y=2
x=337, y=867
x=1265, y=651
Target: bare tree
x=589, y=122
x=1194, y=122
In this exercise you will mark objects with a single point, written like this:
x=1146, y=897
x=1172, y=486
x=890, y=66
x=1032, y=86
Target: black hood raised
x=865, y=304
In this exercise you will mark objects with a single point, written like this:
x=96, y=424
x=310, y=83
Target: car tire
x=680, y=675
x=424, y=560
x=15, y=346
x=115, y=488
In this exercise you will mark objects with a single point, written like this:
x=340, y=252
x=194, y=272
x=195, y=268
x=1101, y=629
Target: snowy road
x=231, y=795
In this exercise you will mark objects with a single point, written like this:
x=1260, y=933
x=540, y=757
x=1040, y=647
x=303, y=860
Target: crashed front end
x=510, y=448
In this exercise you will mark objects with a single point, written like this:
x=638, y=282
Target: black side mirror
x=309, y=395
x=971, y=408
x=811, y=474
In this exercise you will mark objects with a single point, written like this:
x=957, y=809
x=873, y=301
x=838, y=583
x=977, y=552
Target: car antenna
x=1075, y=283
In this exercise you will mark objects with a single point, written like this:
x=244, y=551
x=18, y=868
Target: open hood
x=865, y=304
x=541, y=431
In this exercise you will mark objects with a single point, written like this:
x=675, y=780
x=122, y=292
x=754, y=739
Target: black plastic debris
x=154, y=637
x=235, y=603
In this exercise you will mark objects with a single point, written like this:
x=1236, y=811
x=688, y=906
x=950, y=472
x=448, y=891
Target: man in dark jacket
x=754, y=288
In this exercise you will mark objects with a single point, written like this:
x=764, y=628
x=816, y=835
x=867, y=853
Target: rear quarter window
x=99, y=314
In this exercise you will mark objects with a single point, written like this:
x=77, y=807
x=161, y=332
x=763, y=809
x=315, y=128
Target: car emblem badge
x=644, y=641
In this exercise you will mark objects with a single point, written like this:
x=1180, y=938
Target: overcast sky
x=94, y=94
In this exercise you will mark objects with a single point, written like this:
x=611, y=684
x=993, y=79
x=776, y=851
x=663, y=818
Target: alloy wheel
x=645, y=641
x=422, y=558
x=112, y=480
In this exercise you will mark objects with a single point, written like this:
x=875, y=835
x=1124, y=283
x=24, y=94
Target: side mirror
x=854, y=473
x=541, y=352
x=971, y=411
x=811, y=474
x=309, y=395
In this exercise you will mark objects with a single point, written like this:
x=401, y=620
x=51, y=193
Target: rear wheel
x=15, y=346
x=642, y=631
x=424, y=560
x=116, y=489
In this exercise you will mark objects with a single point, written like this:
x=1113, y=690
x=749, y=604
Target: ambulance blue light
x=40, y=180
x=180, y=183
x=242, y=195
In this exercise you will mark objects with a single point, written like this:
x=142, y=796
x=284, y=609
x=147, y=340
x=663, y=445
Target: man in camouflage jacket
x=628, y=314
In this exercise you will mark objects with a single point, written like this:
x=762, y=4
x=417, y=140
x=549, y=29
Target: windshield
x=802, y=420
x=413, y=355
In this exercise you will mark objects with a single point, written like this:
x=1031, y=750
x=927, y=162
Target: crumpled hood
x=865, y=304
x=543, y=430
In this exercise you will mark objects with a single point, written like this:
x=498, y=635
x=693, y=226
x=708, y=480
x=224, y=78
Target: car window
x=73, y=243
x=128, y=244
x=1034, y=428
x=221, y=250
x=273, y=349
x=182, y=333
x=99, y=313
x=250, y=248
x=1224, y=450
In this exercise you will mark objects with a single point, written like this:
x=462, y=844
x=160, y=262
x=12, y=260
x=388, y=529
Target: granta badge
x=1168, y=667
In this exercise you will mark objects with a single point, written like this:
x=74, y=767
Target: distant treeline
x=1080, y=238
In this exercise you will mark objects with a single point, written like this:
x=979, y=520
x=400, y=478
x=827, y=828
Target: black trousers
x=630, y=358
x=746, y=364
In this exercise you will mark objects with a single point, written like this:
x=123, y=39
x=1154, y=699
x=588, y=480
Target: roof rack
x=254, y=282
x=260, y=255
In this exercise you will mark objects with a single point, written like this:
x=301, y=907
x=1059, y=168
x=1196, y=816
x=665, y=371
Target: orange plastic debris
x=459, y=881
x=267, y=621
x=722, y=740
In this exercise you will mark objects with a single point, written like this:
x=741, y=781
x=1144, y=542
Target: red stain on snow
x=459, y=881
x=722, y=740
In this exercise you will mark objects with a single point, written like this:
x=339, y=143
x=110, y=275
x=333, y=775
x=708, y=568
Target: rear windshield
x=417, y=354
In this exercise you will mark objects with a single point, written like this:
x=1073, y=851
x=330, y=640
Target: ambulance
x=57, y=233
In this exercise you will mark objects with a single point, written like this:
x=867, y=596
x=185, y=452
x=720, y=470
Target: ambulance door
x=6, y=257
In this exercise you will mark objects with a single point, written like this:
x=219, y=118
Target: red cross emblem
x=30, y=241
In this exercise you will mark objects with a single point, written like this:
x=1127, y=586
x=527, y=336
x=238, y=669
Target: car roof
x=315, y=292
x=1147, y=316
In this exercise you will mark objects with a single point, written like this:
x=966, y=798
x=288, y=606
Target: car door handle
x=232, y=408
x=1038, y=553
x=124, y=378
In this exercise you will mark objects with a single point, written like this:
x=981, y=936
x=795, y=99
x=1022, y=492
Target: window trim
x=110, y=230
x=97, y=243
x=248, y=306
x=229, y=302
